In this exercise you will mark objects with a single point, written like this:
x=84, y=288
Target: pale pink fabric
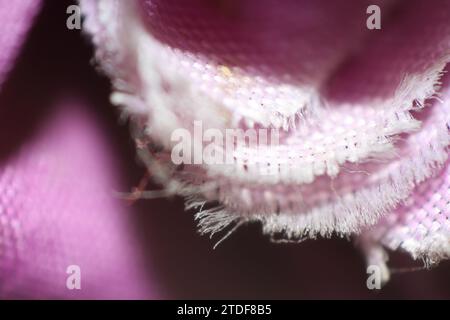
x=16, y=17
x=57, y=179
x=360, y=127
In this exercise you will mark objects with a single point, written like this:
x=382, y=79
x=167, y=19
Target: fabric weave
x=360, y=127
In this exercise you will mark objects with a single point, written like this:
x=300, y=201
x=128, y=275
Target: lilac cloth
x=16, y=17
x=57, y=183
x=358, y=124
x=57, y=209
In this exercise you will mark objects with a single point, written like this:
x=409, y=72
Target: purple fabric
x=57, y=210
x=62, y=156
x=16, y=17
x=58, y=175
x=359, y=128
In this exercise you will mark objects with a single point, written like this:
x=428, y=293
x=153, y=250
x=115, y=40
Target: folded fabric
x=56, y=211
x=362, y=115
x=57, y=176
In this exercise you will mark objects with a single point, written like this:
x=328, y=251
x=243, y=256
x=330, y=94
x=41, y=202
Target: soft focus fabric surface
x=16, y=17
x=58, y=174
x=63, y=154
x=57, y=210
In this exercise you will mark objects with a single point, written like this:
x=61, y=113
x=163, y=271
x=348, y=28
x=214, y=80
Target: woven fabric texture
x=361, y=130
x=57, y=207
x=362, y=115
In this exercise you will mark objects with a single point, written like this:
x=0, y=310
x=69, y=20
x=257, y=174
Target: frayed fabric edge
x=208, y=224
x=352, y=214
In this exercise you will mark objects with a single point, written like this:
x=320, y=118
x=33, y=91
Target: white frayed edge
x=431, y=251
x=431, y=248
x=376, y=256
x=352, y=213
x=348, y=216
